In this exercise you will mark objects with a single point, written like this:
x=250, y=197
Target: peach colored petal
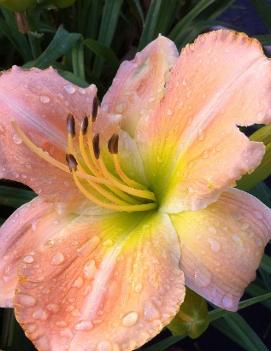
x=138, y=86
x=19, y=235
x=222, y=245
x=39, y=101
x=101, y=283
x=191, y=147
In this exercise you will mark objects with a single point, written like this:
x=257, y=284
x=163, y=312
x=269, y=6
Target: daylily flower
x=145, y=204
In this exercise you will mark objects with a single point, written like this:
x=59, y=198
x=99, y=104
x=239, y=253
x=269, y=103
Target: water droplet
x=169, y=112
x=16, y=139
x=236, y=238
x=70, y=89
x=40, y=314
x=52, y=307
x=31, y=328
x=104, y=346
x=57, y=259
x=83, y=325
x=78, y=283
x=44, y=99
x=130, y=319
x=120, y=107
x=26, y=300
x=138, y=288
x=228, y=301
x=90, y=269
x=28, y=259
x=214, y=245
x=150, y=311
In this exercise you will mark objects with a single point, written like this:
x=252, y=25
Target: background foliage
x=86, y=43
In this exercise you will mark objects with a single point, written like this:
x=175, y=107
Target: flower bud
x=192, y=318
x=63, y=3
x=17, y=5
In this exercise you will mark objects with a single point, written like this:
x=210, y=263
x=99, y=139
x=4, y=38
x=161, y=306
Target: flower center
x=90, y=174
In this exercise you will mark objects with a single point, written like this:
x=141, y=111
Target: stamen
x=88, y=161
x=37, y=150
x=113, y=148
x=145, y=194
x=95, y=106
x=96, y=146
x=125, y=208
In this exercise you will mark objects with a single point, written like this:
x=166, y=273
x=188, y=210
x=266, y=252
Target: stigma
x=108, y=188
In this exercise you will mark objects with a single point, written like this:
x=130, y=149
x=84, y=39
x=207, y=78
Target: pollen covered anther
x=113, y=144
x=96, y=145
x=95, y=106
x=71, y=125
x=71, y=161
x=84, y=125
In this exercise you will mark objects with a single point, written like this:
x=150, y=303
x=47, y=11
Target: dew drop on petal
x=40, y=314
x=227, y=301
x=52, y=307
x=150, y=311
x=78, y=283
x=28, y=259
x=70, y=89
x=130, y=319
x=83, y=325
x=90, y=269
x=44, y=99
x=214, y=245
x=104, y=346
x=16, y=139
x=57, y=259
x=26, y=300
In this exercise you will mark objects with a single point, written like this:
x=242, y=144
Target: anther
x=84, y=125
x=71, y=125
x=95, y=106
x=96, y=145
x=71, y=161
x=113, y=144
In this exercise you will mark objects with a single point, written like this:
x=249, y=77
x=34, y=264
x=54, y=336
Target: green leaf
x=103, y=52
x=110, y=17
x=73, y=78
x=14, y=197
x=164, y=344
x=62, y=42
x=249, y=181
x=256, y=290
x=266, y=263
x=263, y=8
x=262, y=192
x=160, y=17
x=179, y=29
x=192, y=318
x=78, y=60
x=8, y=27
x=246, y=336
